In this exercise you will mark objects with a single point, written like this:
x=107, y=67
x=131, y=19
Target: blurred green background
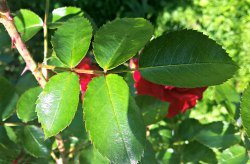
x=226, y=21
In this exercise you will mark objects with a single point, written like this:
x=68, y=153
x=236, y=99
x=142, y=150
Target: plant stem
x=45, y=35
x=9, y=25
x=7, y=21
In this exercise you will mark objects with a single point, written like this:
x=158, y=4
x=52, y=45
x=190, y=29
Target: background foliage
x=210, y=133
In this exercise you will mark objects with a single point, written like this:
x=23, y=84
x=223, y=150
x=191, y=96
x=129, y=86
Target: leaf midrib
x=34, y=138
x=184, y=64
x=63, y=90
x=116, y=119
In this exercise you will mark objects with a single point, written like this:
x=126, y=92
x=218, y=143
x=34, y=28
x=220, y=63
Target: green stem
x=45, y=35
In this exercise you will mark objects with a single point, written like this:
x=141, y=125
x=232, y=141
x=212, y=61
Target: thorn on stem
x=24, y=70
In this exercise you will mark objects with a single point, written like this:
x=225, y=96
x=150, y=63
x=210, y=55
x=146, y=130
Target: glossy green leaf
x=113, y=120
x=186, y=58
x=7, y=92
x=245, y=110
x=71, y=41
x=218, y=135
x=57, y=104
x=10, y=108
x=119, y=40
x=234, y=154
x=27, y=23
x=92, y=156
x=153, y=110
x=26, y=104
x=34, y=142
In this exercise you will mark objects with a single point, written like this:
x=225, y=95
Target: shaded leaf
x=57, y=104
x=218, y=135
x=153, y=110
x=115, y=124
x=27, y=23
x=186, y=58
x=7, y=94
x=195, y=152
x=26, y=104
x=71, y=41
x=8, y=149
x=189, y=128
x=34, y=142
x=149, y=155
x=245, y=110
x=119, y=40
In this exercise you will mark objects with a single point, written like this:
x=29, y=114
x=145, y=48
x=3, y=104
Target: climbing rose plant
x=89, y=70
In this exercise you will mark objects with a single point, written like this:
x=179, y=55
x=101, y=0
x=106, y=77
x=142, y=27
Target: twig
x=45, y=35
x=7, y=21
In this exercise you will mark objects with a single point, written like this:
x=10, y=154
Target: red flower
x=180, y=99
x=86, y=78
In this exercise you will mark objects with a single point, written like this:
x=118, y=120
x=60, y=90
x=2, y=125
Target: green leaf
x=186, y=58
x=27, y=23
x=10, y=108
x=57, y=104
x=119, y=40
x=8, y=149
x=245, y=110
x=113, y=120
x=188, y=129
x=71, y=41
x=195, y=152
x=7, y=92
x=92, y=156
x=218, y=135
x=153, y=110
x=234, y=154
x=149, y=155
x=26, y=104
x=34, y=143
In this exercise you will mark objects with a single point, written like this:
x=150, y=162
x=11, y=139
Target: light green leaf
x=119, y=40
x=153, y=110
x=234, y=154
x=245, y=110
x=27, y=23
x=57, y=104
x=26, y=104
x=34, y=143
x=186, y=58
x=113, y=120
x=71, y=40
x=92, y=156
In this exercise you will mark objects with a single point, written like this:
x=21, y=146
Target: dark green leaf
x=186, y=58
x=92, y=156
x=119, y=40
x=149, y=155
x=26, y=104
x=10, y=108
x=71, y=40
x=234, y=154
x=34, y=142
x=153, y=110
x=8, y=149
x=195, y=152
x=218, y=135
x=27, y=23
x=245, y=110
x=189, y=128
x=57, y=104
x=7, y=94
x=113, y=120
